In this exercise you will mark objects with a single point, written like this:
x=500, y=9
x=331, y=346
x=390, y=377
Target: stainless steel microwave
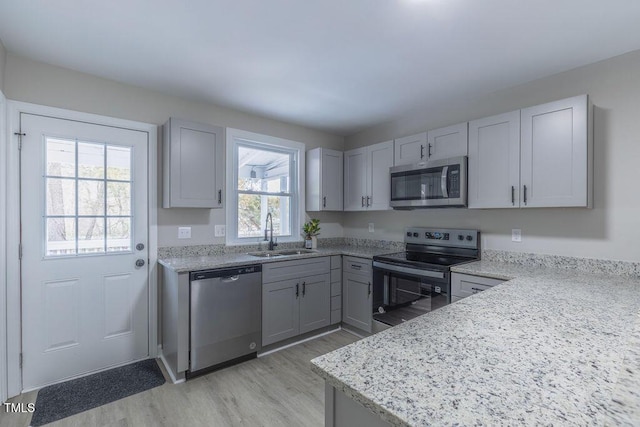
x=438, y=183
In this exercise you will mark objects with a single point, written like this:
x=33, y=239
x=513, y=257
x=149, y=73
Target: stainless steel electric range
x=417, y=281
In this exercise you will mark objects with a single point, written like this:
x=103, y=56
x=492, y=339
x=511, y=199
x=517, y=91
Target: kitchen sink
x=285, y=252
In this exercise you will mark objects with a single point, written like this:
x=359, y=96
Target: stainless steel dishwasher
x=225, y=317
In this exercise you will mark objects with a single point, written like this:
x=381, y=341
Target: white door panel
x=84, y=210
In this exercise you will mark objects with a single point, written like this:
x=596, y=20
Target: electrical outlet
x=220, y=230
x=371, y=228
x=184, y=232
x=516, y=235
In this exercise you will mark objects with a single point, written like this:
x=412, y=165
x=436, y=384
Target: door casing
x=12, y=203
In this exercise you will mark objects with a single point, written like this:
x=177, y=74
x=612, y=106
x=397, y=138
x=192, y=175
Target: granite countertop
x=548, y=347
x=194, y=263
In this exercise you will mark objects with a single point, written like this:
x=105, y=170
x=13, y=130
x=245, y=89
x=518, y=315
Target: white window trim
x=232, y=196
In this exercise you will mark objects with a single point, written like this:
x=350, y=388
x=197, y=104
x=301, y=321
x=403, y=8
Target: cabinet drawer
x=356, y=265
x=336, y=302
x=336, y=288
x=464, y=285
x=336, y=276
x=336, y=261
x=294, y=269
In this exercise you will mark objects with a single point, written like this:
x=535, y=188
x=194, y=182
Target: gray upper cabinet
x=324, y=180
x=450, y=141
x=193, y=162
x=366, y=177
x=536, y=157
x=410, y=149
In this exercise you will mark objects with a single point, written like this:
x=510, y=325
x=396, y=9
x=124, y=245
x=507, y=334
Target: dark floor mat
x=72, y=397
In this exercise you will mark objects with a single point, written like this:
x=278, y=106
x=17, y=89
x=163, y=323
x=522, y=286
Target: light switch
x=516, y=235
x=371, y=228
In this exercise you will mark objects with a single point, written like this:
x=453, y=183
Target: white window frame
x=235, y=136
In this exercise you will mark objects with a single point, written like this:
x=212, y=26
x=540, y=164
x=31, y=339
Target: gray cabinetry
x=464, y=285
x=324, y=180
x=296, y=298
x=356, y=293
x=192, y=165
x=336, y=289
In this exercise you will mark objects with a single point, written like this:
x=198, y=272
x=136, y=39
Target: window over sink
x=264, y=178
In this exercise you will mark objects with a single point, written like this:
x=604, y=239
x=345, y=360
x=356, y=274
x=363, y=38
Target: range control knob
x=415, y=234
x=408, y=234
x=460, y=237
x=469, y=238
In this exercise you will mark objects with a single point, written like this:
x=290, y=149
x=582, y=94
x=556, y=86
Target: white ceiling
x=335, y=65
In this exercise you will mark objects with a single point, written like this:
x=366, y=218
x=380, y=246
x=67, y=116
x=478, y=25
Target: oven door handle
x=408, y=270
x=443, y=181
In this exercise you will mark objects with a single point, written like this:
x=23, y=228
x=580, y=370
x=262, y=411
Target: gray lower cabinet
x=356, y=293
x=464, y=285
x=296, y=298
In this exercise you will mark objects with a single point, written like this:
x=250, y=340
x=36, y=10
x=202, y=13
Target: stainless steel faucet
x=272, y=244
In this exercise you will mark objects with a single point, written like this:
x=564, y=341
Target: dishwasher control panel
x=225, y=272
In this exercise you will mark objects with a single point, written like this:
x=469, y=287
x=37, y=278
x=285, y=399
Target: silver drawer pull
x=356, y=267
x=475, y=290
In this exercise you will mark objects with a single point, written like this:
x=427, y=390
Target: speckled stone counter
x=194, y=263
x=548, y=347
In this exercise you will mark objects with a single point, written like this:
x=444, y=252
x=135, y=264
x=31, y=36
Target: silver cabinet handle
x=369, y=292
x=368, y=198
x=356, y=267
x=219, y=197
x=421, y=151
x=297, y=290
x=324, y=202
x=304, y=288
x=140, y=262
x=525, y=194
x=363, y=201
x=476, y=290
x=513, y=195
x=429, y=151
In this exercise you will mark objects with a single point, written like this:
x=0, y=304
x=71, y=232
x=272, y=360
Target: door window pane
x=91, y=235
x=61, y=236
x=61, y=196
x=90, y=160
x=61, y=157
x=88, y=207
x=118, y=163
x=90, y=197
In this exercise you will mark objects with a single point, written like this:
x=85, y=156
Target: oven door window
x=405, y=297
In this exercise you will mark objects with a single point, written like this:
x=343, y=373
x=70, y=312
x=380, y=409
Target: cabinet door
x=332, y=185
x=355, y=179
x=464, y=285
x=555, y=154
x=410, y=149
x=280, y=311
x=315, y=302
x=356, y=300
x=450, y=141
x=379, y=160
x=494, y=161
x=193, y=165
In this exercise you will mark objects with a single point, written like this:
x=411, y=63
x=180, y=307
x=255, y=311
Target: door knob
x=140, y=246
x=140, y=262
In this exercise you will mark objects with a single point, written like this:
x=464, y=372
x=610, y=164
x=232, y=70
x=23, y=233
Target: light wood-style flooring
x=275, y=390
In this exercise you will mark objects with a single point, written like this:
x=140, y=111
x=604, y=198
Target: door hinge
x=20, y=251
x=20, y=135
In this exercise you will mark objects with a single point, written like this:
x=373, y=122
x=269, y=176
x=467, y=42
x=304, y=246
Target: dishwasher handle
x=225, y=274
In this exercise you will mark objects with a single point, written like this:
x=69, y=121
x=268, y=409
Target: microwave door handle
x=443, y=181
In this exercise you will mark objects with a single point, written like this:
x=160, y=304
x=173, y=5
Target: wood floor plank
x=276, y=390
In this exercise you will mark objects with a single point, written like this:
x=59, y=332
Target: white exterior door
x=84, y=220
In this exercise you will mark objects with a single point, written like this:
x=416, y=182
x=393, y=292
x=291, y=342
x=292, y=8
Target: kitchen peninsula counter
x=549, y=346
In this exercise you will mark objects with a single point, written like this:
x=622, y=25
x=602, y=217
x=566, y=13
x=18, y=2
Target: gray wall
x=3, y=59
x=611, y=230
x=44, y=84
